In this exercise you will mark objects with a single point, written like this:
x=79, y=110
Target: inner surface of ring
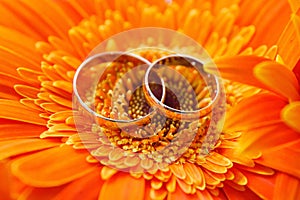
x=188, y=88
x=119, y=93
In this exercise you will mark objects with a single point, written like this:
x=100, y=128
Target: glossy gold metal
x=91, y=72
x=174, y=62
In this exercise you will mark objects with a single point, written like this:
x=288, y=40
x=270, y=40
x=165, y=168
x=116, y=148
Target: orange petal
x=239, y=177
x=83, y=7
x=278, y=79
x=291, y=115
x=286, y=187
x=195, y=174
x=237, y=68
x=7, y=85
x=264, y=16
x=180, y=195
x=61, y=127
x=9, y=80
x=46, y=15
x=261, y=138
x=204, y=195
x=178, y=171
x=233, y=194
x=61, y=116
x=116, y=188
x=209, y=179
x=237, y=157
x=286, y=153
x=258, y=169
x=8, y=68
x=254, y=111
x=163, y=174
x=219, y=159
x=36, y=193
x=8, y=93
x=19, y=42
x=156, y=184
x=5, y=178
x=160, y=194
x=13, y=186
x=53, y=107
x=48, y=134
x=171, y=185
x=147, y=191
x=64, y=85
x=10, y=20
x=219, y=4
x=30, y=103
x=214, y=167
x=186, y=188
x=52, y=167
x=15, y=147
x=289, y=42
x=59, y=89
x=296, y=70
x=49, y=71
x=192, y=17
x=16, y=59
x=107, y=172
x=296, y=22
x=295, y=5
x=27, y=91
x=14, y=110
x=29, y=75
x=88, y=187
x=261, y=185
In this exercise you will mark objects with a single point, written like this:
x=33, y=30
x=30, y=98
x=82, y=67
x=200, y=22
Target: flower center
x=122, y=98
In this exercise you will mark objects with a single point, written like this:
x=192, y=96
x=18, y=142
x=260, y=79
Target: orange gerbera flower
x=43, y=42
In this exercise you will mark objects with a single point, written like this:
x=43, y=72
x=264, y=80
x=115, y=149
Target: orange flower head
x=255, y=156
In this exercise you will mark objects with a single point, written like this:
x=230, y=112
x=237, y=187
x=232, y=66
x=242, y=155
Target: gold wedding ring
x=104, y=84
x=176, y=85
x=190, y=91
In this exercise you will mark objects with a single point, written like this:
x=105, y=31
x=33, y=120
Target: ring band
x=210, y=85
x=91, y=72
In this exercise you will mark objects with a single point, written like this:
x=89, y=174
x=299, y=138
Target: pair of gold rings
x=124, y=89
